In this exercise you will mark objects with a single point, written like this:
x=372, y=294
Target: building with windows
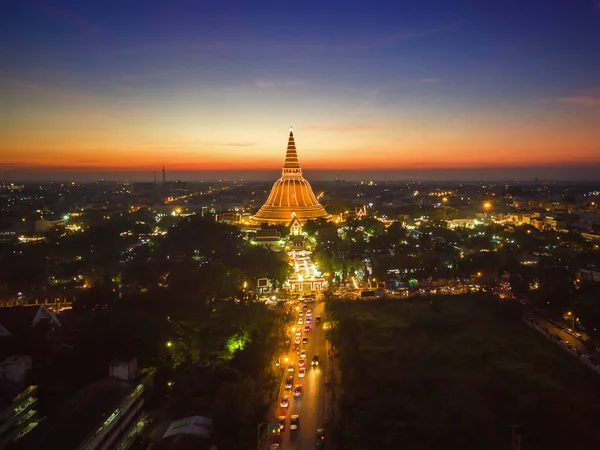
x=18, y=400
x=105, y=415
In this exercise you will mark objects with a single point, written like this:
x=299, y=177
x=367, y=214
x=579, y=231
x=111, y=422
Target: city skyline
x=388, y=92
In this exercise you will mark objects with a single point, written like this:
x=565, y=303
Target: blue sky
x=120, y=86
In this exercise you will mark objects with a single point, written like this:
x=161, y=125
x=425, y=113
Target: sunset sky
x=460, y=89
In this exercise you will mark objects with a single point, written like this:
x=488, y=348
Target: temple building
x=291, y=196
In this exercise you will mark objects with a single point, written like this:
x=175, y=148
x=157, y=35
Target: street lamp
x=258, y=434
x=444, y=201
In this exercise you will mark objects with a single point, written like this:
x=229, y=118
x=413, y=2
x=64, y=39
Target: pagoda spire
x=291, y=157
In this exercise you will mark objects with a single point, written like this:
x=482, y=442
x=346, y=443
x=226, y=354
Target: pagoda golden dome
x=291, y=195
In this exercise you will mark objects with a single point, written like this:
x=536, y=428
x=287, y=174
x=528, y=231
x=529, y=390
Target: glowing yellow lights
x=487, y=205
x=169, y=344
x=445, y=199
x=177, y=210
x=478, y=274
x=245, y=284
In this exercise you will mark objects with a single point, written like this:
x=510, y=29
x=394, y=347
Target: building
x=229, y=217
x=291, y=195
x=18, y=400
x=269, y=238
x=103, y=415
x=16, y=320
x=189, y=433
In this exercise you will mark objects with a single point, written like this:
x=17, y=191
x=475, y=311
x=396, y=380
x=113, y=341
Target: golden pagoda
x=291, y=196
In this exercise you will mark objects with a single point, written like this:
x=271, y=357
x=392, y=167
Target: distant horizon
x=403, y=89
x=496, y=174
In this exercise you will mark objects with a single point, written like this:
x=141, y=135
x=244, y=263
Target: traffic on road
x=301, y=413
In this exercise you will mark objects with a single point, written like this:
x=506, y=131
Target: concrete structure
x=291, y=195
x=18, y=400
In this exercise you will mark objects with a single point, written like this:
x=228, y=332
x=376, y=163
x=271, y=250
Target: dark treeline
x=180, y=300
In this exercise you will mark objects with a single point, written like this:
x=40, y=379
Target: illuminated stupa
x=291, y=196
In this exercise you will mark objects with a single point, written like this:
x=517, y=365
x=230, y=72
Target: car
x=305, y=340
x=297, y=391
x=281, y=422
x=305, y=307
x=315, y=360
x=294, y=422
x=274, y=447
x=288, y=383
x=302, y=362
x=318, y=320
x=297, y=341
x=285, y=402
x=301, y=313
x=300, y=321
x=308, y=320
x=320, y=438
x=298, y=333
x=301, y=372
x=306, y=329
x=303, y=354
x=290, y=367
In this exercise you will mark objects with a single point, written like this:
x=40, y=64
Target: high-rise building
x=291, y=196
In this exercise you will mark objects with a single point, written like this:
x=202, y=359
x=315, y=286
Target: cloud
x=238, y=144
x=270, y=84
x=68, y=18
x=589, y=97
x=96, y=107
x=582, y=100
x=343, y=127
x=356, y=42
x=186, y=46
x=408, y=34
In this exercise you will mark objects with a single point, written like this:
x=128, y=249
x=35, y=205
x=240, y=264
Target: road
x=311, y=405
x=575, y=343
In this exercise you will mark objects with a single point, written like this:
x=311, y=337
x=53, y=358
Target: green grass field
x=457, y=374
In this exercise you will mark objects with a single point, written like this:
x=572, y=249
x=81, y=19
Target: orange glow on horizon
x=419, y=147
